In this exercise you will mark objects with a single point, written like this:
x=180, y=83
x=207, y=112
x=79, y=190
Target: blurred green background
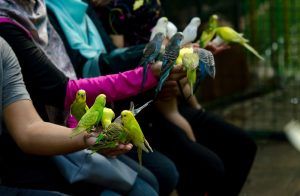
x=254, y=94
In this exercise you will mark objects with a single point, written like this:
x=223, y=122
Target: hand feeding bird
x=190, y=31
x=91, y=118
x=114, y=133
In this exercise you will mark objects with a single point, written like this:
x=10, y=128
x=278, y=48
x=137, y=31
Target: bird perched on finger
x=135, y=134
x=171, y=29
x=78, y=108
x=229, y=35
x=190, y=31
x=151, y=52
x=92, y=117
x=169, y=59
x=161, y=26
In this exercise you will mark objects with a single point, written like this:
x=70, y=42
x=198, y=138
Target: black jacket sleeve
x=43, y=80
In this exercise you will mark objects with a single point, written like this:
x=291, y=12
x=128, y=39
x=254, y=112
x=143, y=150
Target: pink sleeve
x=115, y=86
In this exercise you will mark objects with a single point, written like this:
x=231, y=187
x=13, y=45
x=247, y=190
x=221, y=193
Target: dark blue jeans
x=8, y=191
x=163, y=169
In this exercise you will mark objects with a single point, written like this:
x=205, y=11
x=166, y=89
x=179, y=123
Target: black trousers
x=218, y=163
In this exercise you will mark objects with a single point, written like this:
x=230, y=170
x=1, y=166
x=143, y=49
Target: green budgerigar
x=107, y=117
x=92, y=117
x=135, y=134
x=78, y=107
x=229, y=35
x=209, y=33
x=110, y=137
x=190, y=62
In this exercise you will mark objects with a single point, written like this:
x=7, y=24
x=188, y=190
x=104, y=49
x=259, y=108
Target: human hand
x=216, y=49
x=91, y=138
x=120, y=149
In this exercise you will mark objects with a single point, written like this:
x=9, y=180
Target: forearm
x=34, y=136
x=44, y=138
x=115, y=86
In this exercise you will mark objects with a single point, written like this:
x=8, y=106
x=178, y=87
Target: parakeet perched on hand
x=190, y=62
x=229, y=35
x=181, y=53
x=92, y=117
x=151, y=52
x=209, y=33
x=207, y=63
x=110, y=137
x=160, y=27
x=190, y=32
x=169, y=59
x=135, y=133
x=107, y=116
x=78, y=107
x=171, y=30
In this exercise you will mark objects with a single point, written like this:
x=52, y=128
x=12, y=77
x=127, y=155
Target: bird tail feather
x=253, y=51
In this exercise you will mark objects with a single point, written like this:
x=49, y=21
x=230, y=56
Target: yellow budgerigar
x=135, y=134
x=229, y=35
x=107, y=117
x=92, y=117
x=78, y=107
x=190, y=62
x=182, y=52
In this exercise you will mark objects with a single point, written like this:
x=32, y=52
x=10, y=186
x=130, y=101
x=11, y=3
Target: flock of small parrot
x=197, y=62
x=120, y=130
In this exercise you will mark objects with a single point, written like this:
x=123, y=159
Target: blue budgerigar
x=151, y=52
x=169, y=59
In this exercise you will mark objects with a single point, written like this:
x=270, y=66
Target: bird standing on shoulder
x=92, y=117
x=78, y=108
x=135, y=133
x=151, y=52
x=190, y=32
